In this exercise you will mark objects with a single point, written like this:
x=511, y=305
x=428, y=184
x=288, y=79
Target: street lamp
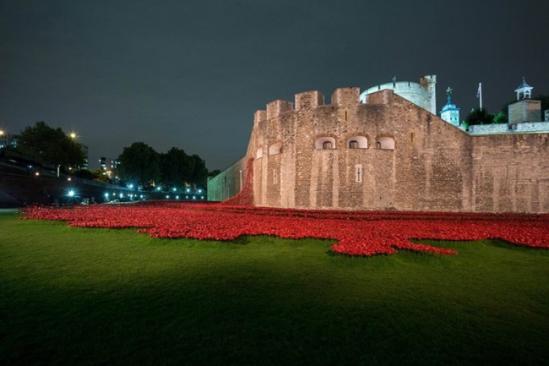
x=72, y=135
x=2, y=133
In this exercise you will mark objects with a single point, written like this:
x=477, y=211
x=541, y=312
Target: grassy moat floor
x=98, y=296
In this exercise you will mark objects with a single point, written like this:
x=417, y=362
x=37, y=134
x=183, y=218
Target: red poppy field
x=360, y=233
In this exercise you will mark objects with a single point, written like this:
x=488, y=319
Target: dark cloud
x=191, y=73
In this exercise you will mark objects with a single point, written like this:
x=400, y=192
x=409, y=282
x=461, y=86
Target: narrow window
x=275, y=176
x=353, y=144
x=412, y=137
x=327, y=145
x=385, y=143
x=345, y=115
x=358, y=173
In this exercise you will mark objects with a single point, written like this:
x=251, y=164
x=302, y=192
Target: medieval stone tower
x=381, y=151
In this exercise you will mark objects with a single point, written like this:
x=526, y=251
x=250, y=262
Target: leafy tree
x=139, y=163
x=479, y=117
x=213, y=173
x=50, y=145
x=174, y=167
x=500, y=117
x=199, y=173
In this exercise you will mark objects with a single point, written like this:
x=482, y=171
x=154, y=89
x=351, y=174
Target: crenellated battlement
x=308, y=100
x=277, y=107
x=345, y=96
x=260, y=115
x=382, y=97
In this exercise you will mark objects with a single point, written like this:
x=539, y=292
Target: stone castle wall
x=434, y=166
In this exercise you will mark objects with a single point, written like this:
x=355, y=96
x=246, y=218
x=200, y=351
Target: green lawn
x=96, y=296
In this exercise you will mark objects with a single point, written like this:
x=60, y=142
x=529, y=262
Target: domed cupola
x=524, y=91
x=450, y=112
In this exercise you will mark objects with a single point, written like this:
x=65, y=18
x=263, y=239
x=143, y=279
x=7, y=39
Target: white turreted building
x=422, y=94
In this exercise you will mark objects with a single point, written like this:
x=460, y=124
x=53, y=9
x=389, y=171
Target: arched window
x=385, y=143
x=259, y=153
x=325, y=143
x=275, y=149
x=357, y=142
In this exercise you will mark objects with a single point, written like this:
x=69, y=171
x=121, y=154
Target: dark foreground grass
x=96, y=296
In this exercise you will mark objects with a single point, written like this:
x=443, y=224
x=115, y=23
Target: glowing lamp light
x=158, y=188
x=72, y=135
x=2, y=133
x=130, y=186
x=121, y=195
x=167, y=196
x=176, y=197
x=71, y=193
x=186, y=197
x=199, y=191
x=69, y=179
x=37, y=174
x=194, y=197
x=188, y=190
x=106, y=195
x=174, y=189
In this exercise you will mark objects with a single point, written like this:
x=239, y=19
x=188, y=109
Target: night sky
x=192, y=73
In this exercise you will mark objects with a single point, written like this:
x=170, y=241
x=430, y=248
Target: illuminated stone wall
x=434, y=166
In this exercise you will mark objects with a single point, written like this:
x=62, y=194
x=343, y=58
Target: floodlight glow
x=71, y=193
x=167, y=197
x=106, y=195
x=121, y=195
x=158, y=188
x=174, y=189
x=176, y=197
x=188, y=190
x=130, y=186
x=72, y=135
x=199, y=191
